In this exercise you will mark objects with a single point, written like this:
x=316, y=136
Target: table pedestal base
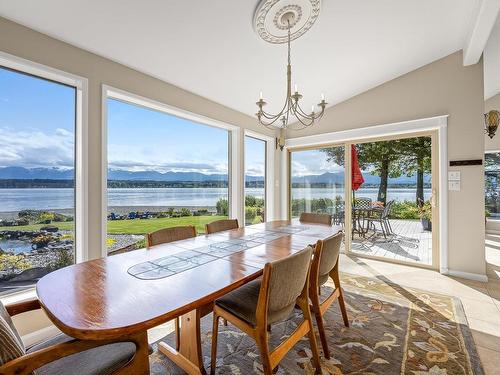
x=189, y=357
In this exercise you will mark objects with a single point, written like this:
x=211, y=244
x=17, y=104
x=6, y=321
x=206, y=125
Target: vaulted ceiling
x=211, y=49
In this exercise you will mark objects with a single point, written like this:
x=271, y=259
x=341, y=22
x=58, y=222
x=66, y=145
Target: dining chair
x=325, y=264
x=221, y=225
x=306, y=217
x=167, y=235
x=269, y=300
x=65, y=355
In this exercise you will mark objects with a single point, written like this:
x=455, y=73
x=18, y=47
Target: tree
x=378, y=157
x=416, y=159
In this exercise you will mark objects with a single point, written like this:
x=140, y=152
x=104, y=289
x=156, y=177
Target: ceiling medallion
x=269, y=21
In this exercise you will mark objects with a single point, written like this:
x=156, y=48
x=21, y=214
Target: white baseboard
x=40, y=335
x=466, y=275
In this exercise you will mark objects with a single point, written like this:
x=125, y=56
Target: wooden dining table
x=129, y=293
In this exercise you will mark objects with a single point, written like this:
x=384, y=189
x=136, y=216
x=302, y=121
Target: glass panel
x=317, y=182
x=492, y=185
x=37, y=161
x=391, y=204
x=255, y=180
x=163, y=171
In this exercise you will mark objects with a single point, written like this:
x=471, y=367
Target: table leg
x=189, y=357
x=140, y=363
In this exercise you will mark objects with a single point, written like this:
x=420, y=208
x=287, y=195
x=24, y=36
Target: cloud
x=36, y=148
x=312, y=163
x=255, y=171
x=167, y=166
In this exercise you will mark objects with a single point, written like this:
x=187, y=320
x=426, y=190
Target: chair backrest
x=306, y=217
x=166, y=235
x=326, y=256
x=286, y=280
x=221, y=225
x=387, y=209
x=11, y=345
x=363, y=202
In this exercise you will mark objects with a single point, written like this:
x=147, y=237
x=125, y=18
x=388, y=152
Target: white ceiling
x=492, y=63
x=210, y=48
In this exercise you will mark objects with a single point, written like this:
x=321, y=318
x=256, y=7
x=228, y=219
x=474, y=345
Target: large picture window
x=163, y=171
x=492, y=185
x=255, y=180
x=37, y=178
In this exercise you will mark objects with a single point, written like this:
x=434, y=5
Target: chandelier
x=291, y=112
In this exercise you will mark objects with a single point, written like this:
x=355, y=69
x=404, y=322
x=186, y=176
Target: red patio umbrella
x=356, y=175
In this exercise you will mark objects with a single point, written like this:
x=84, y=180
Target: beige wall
x=443, y=87
x=490, y=104
x=28, y=44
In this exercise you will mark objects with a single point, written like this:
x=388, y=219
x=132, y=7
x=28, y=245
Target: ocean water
x=40, y=199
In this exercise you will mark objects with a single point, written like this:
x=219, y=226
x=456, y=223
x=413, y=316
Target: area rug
x=394, y=330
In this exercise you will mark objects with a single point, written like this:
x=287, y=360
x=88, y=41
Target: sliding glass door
x=382, y=192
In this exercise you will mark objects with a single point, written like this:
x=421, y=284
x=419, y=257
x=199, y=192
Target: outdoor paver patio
x=409, y=243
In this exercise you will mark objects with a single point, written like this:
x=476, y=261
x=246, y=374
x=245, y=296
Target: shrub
x=404, y=210
x=64, y=258
x=185, y=212
x=222, y=207
x=251, y=201
x=46, y=217
x=250, y=214
x=10, y=263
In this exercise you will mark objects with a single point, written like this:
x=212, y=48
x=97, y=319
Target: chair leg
x=177, y=334
x=312, y=338
x=215, y=332
x=225, y=322
x=343, y=310
x=263, y=344
x=322, y=334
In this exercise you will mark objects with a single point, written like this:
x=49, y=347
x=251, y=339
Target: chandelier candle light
x=291, y=111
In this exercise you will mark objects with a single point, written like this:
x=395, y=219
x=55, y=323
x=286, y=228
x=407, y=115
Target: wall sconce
x=491, y=122
x=280, y=140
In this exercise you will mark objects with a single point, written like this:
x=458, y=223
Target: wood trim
x=22, y=307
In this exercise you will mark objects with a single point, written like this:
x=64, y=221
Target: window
x=492, y=185
x=255, y=180
x=37, y=178
x=163, y=171
x=317, y=182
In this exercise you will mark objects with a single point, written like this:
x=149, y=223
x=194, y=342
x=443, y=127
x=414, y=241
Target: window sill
x=16, y=297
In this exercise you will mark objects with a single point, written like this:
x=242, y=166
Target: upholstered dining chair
x=167, y=235
x=221, y=225
x=306, y=217
x=64, y=355
x=271, y=299
x=325, y=264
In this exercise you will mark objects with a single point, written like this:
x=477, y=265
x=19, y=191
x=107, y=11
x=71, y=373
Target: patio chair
x=382, y=218
x=269, y=300
x=65, y=355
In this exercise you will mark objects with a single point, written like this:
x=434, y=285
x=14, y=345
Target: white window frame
x=438, y=123
x=269, y=173
x=81, y=141
x=236, y=199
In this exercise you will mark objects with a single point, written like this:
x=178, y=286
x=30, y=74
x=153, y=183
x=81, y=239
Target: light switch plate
x=454, y=185
x=453, y=175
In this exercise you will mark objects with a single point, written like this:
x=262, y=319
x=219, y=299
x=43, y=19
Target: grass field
x=136, y=226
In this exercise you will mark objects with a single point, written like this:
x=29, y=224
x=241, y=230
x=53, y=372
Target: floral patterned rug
x=394, y=330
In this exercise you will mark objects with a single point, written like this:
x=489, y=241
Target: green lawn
x=137, y=226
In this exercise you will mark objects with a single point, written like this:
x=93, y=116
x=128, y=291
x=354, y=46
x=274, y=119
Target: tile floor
x=481, y=301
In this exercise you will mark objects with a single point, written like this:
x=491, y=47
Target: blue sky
x=37, y=121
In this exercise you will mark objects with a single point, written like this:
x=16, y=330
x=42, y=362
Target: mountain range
x=21, y=173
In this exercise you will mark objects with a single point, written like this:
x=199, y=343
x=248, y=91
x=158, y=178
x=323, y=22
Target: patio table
x=132, y=292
